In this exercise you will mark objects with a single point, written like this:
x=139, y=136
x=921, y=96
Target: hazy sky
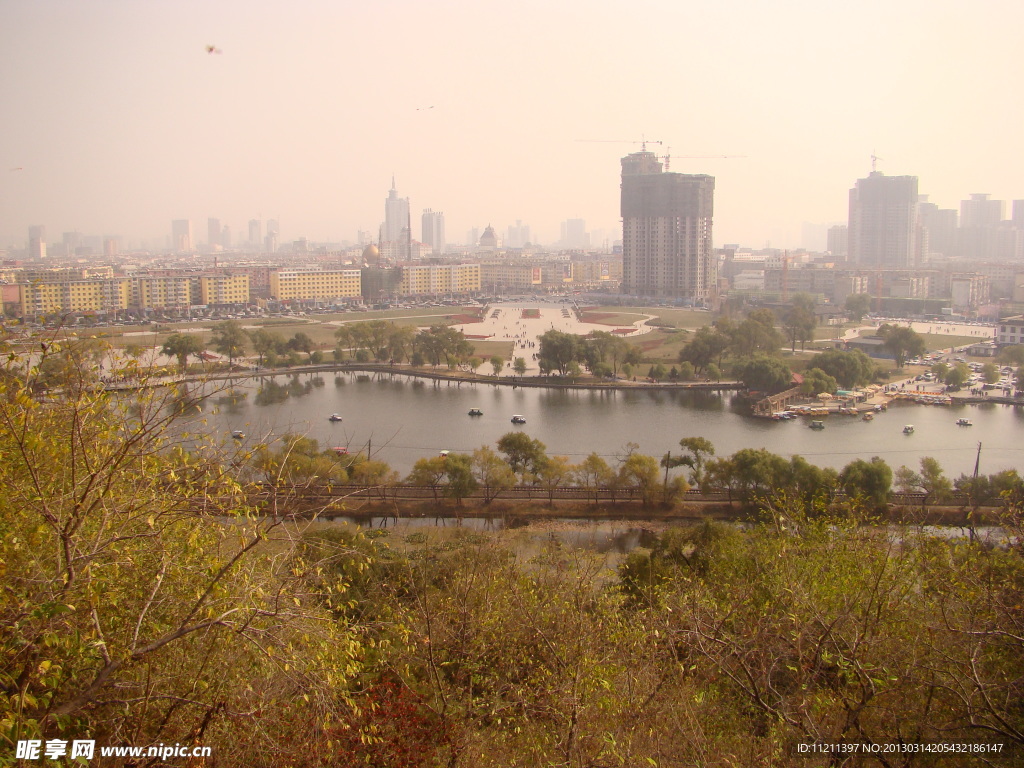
x=121, y=121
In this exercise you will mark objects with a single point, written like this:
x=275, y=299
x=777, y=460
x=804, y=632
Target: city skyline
x=125, y=121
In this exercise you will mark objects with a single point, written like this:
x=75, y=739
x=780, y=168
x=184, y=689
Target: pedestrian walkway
x=505, y=322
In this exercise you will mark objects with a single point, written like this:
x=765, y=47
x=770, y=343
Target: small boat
x=444, y=454
x=238, y=434
x=964, y=423
x=341, y=450
x=475, y=412
x=334, y=417
x=517, y=419
x=868, y=417
x=908, y=429
x=817, y=424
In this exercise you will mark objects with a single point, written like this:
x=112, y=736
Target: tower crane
x=643, y=142
x=667, y=157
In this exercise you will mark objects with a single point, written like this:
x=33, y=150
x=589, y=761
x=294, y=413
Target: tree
x=850, y=368
x=958, y=375
x=1012, y=354
x=429, y=471
x=297, y=460
x=182, y=346
x=379, y=335
x=810, y=484
x=990, y=373
x=764, y=374
x=229, y=340
x=858, y=305
x=603, y=347
x=757, y=472
x=524, y=454
x=497, y=363
x=705, y=348
x=441, y=342
x=657, y=372
x=641, y=473
x=400, y=341
x=491, y=473
x=459, y=469
x=800, y=320
x=931, y=481
x=301, y=342
x=817, y=381
x=594, y=473
x=343, y=342
x=902, y=342
x=374, y=474
x=868, y=480
x=265, y=344
x=556, y=350
x=139, y=597
x=553, y=473
x=697, y=450
x=69, y=364
x=756, y=335
x=519, y=366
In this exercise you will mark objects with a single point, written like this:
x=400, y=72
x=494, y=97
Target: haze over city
x=121, y=116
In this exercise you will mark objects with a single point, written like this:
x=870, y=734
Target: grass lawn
x=614, y=318
x=488, y=349
x=661, y=346
x=939, y=341
x=314, y=327
x=671, y=318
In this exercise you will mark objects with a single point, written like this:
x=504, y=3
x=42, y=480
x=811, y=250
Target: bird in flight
x=424, y=108
x=19, y=168
x=213, y=49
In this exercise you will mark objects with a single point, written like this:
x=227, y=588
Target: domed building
x=371, y=255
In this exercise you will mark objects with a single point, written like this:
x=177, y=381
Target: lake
x=401, y=419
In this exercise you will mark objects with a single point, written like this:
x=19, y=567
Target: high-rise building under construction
x=666, y=231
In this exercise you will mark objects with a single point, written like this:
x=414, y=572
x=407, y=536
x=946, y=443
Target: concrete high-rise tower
x=213, y=234
x=255, y=233
x=396, y=215
x=432, y=230
x=37, y=242
x=666, y=231
x=181, y=236
x=883, y=227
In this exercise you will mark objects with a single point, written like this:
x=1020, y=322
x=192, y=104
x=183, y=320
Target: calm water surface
x=402, y=419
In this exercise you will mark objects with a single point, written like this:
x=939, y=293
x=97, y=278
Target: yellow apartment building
x=217, y=290
x=439, y=279
x=308, y=284
x=39, y=297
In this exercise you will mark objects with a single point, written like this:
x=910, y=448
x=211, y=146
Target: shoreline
x=363, y=507
x=465, y=378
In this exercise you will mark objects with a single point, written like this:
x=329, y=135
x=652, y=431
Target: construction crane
x=667, y=157
x=643, y=142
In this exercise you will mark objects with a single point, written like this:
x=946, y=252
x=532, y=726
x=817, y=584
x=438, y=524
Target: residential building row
x=34, y=291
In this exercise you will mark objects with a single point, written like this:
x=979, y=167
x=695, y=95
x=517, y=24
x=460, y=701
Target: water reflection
x=407, y=419
x=599, y=536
